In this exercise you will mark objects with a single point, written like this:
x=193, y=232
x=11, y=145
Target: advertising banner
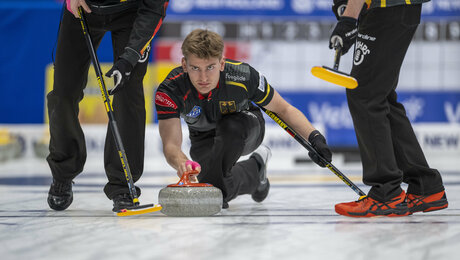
x=282, y=9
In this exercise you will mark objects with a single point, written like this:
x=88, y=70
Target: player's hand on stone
x=120, y=71
x=189, y=166
x=318, y=142
x=344, y=34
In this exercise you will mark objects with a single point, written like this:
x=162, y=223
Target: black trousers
x=389, y=149
x=218, y=151
x=67, y=145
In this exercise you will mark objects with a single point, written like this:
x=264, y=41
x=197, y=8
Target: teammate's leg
x=129, y=111
x=67, y=144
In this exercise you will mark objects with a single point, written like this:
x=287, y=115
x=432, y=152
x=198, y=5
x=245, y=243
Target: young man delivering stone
x=213, y=95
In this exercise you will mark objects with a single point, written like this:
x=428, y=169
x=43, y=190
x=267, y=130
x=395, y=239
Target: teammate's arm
x=171, y=136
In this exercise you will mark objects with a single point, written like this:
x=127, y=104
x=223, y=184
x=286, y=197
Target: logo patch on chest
x=227, y=107
x=195, y=112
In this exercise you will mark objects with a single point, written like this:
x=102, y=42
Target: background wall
x=281, y=38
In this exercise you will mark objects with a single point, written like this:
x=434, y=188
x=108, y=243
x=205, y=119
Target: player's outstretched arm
x=171, y=136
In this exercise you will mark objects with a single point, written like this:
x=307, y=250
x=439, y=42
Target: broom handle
x=108, y=106
x=310, y=148
x=338, y=54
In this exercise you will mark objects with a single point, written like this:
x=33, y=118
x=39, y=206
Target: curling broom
x=310, y=148
x=333, y=75
x=136, y=209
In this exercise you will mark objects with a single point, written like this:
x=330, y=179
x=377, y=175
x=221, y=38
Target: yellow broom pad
x=334, y=77
x=131, y=212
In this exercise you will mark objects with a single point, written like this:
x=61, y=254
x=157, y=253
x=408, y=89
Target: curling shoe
x=60, y=195
x=262, y=155
x=427, y=203
x=368, y=207
x=122, y=201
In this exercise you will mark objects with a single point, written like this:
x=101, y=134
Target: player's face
x=204, y=73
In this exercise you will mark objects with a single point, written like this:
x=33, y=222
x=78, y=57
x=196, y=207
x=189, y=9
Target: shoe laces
x=413, y=199
x=416, y=199
x=381, y=205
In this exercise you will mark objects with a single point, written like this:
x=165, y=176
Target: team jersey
x=388, y=3
x=239, y=84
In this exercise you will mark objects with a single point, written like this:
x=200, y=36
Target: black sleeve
x=150, y=16
x=259, y=91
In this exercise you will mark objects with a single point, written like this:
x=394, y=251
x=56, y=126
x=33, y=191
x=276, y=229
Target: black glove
x=318, y=142
x=338, y=7
x=345, y=33
x=121, y=71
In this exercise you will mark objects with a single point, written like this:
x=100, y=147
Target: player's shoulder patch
x=162, y=99
x=262, y=81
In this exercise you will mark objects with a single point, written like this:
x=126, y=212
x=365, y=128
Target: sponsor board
x=299, y=9
x=331, y=110
x=440, y=142
x=92, y=110
x=287, y=30
x=302, y=22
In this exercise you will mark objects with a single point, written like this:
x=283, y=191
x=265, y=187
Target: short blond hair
x=204, y=44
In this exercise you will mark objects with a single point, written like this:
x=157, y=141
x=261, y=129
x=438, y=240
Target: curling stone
x=189, y=199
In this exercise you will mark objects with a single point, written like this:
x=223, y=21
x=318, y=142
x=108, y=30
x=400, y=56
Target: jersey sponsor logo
x=261, y=82
x=195, y=112
x=227, y=107
x=360, y=52
x=162, y=99
x=235, y=77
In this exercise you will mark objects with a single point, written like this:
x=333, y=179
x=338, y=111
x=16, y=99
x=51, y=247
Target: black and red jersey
x=239, y=84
